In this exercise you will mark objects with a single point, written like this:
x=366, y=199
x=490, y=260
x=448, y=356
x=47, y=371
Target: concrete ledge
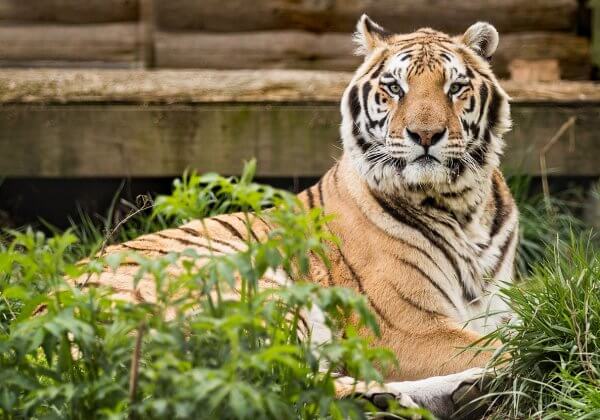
x=144, y=124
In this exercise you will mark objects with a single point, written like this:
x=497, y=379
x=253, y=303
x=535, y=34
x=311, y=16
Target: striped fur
x=428, y=240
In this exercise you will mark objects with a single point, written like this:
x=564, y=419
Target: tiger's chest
x=438, y=268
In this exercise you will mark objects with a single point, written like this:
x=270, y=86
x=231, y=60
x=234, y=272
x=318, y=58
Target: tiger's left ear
x=368, y=36
x=481, y=38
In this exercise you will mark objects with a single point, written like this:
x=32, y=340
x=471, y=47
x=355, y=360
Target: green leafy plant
x=195, y=352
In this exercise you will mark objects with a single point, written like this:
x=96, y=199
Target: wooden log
x=275, y=49
x=288, y=140
x=48, y=86
x=334, y=51
x=68, y=11
x=27, y=45
x=341, y=15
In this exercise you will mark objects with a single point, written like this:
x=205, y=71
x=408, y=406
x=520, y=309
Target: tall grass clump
x=196, y=352
x=553, y=342
x=542, y=219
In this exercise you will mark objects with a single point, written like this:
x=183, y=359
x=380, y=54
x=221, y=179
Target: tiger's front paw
x=448, y=397
x=377, y=394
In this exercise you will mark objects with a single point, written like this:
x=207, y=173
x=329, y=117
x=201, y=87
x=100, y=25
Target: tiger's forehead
x=425, y=51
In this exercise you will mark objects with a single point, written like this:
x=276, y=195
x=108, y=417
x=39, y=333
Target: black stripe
x=423, y=253
x=248, y=226
x=500, y=207
x=133, y=248
x=456, y=194
x=311, y=198
x=190, y=231
x=503, y=251
x=471, y=107
x=264, y=222
x=354, y=103
x=230, y=228
x=429, y=279
x=432, y=236
x=479, y=153
x=129, y=264
x=189, y=243
x=307, y=329
x=494, y=109
x=320, y=189
x=378, y=70
x=216, y=240
x=366, y=89
x=483, y=94
x=433, y=204
x=364, y=145
x=413, y=303
x=361, y=289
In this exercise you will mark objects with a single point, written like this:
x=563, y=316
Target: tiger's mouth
x=426, y=159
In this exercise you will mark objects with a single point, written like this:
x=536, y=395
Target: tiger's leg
x=435, y=369
x=445, y=395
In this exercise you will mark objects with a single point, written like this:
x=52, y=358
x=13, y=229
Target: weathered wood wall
x=295, y=34
x=143, y=124
x=70, y=33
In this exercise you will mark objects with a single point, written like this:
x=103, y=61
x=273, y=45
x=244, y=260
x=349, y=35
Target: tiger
x=427, y=225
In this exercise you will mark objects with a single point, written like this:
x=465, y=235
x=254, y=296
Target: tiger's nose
x=426, y=138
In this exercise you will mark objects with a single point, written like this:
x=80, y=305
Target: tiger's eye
x=454, y=88
x=395, y=88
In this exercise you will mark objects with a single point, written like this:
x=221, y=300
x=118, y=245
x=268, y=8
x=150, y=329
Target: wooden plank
x=334, y=51
x=112, y=43
x=207, y=86
x=288, y=140
x=68, y=11
x=341, y=15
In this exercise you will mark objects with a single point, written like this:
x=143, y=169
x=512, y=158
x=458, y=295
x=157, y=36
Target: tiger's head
x=424, y=110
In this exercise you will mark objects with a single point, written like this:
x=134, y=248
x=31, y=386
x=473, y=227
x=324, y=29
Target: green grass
x=542, y=220
x=549, y=362
x=554, y=340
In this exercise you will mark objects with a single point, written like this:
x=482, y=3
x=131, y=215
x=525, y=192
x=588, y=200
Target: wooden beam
x=76, y=45
x=341, y=15
x=89, y=140
x=334, y=51
x=68, y=11
x=209, y=86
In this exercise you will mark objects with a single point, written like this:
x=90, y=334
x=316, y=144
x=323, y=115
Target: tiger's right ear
x=368, y=36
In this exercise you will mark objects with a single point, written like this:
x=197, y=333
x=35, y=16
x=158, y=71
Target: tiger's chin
x=430, y=172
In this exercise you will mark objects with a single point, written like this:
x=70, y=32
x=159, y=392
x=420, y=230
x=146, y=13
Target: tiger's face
x=424, y=109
